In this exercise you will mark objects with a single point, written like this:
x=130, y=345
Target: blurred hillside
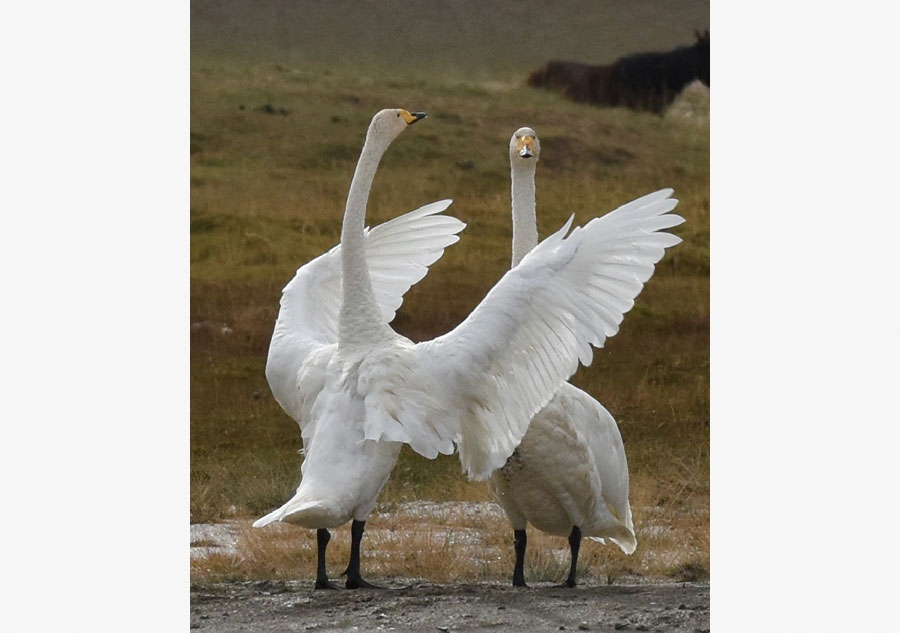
x=472, y=38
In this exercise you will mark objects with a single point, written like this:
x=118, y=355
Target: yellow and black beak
x=525, y=146
x=412, y=117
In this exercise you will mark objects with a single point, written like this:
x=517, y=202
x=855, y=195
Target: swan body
x=569, y=470
x=475, y=388
x=569, y=475
x=398, y=253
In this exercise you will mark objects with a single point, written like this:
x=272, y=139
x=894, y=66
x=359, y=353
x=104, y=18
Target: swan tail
x=269, y=518
x=626, y=543
x=625, y=540
x=311, y=514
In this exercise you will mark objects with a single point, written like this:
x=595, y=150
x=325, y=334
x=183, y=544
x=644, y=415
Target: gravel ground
x=294, y=606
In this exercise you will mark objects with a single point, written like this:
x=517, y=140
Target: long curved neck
x=525, y=236
x=360, y=320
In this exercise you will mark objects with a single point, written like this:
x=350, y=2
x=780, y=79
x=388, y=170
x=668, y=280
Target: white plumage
x=398, y=254
x=569, y=475
x=475, y=388
x=304, y=342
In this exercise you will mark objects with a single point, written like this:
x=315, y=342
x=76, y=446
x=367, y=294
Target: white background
x=95, y=262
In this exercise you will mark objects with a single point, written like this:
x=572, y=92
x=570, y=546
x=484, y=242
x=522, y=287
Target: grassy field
x=267, y=194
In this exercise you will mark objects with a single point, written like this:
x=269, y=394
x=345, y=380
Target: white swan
x=476, y=387
x=569, y=475
x=398, y=253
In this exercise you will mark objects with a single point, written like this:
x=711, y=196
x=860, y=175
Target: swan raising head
x=305, y=339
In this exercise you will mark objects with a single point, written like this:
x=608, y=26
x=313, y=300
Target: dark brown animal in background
x=643, y=81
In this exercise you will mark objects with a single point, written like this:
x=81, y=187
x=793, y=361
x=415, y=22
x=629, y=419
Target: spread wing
x=398, y=253
x=486, y=379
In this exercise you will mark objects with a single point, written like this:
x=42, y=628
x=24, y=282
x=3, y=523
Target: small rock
x=501, y=607
x=620, y=626
x=562, y=628
x=443, y=629
x=584, y=627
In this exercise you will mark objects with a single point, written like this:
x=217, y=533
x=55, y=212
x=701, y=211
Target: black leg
x=574, y=545
x=354, y=579
x=322, y=582
x=519, y=542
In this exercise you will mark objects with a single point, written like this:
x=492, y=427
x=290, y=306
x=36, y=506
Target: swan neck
x=360, y=320
x=524, y=216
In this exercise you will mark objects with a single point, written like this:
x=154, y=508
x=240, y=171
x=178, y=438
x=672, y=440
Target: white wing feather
x=398, y=253
x=487, y=378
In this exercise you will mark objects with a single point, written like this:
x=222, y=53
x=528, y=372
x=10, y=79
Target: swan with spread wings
x=569, y=474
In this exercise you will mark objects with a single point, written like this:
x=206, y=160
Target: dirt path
x=293, y=606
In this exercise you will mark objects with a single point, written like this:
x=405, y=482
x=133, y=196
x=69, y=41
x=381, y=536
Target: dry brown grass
x=465, y=542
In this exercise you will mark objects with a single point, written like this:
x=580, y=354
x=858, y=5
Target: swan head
x=387, y=124
x=524, y=146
